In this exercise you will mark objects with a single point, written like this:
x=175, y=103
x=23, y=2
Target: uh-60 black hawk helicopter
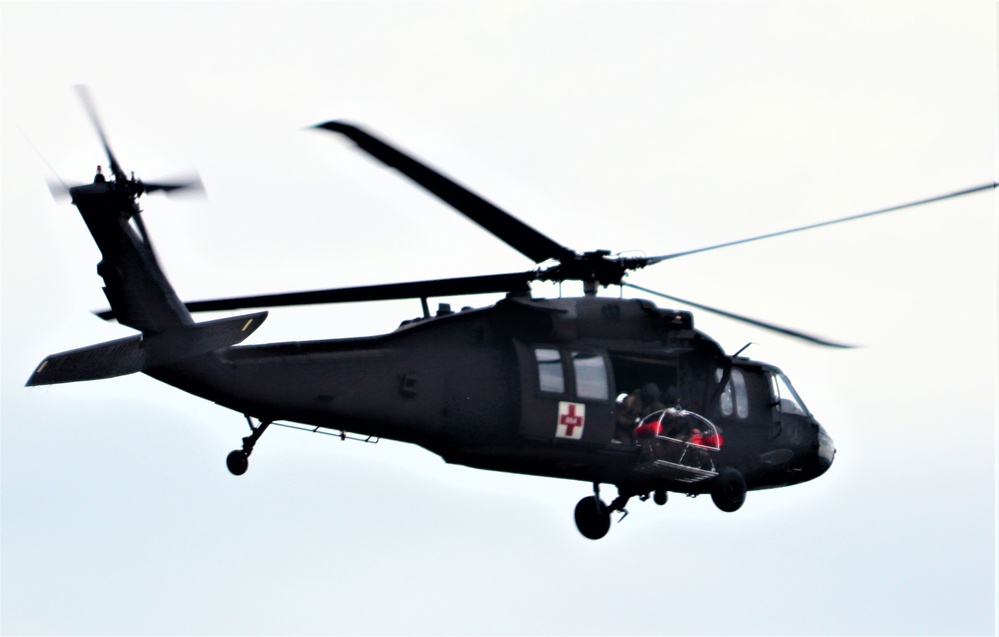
x=602, y=390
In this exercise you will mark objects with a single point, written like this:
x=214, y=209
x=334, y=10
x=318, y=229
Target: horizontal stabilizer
x=191, y=340
x=136, y=354
x=104, y=360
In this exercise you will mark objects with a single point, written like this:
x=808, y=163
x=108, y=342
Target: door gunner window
x=591, y=376
x=550, y=375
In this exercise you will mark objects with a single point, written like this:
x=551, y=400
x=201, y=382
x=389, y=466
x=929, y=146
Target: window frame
x=733, y=399
x=539, y=367
x=578, y=379
x=778, y=381
x=569, y=368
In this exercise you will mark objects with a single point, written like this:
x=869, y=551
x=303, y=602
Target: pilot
x=639, y=404
x=99, y=177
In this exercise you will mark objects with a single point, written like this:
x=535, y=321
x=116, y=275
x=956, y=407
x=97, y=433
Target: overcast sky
x=647, y=126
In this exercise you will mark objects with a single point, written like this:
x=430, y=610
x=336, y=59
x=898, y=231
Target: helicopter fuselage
x=493, y=388
x=527, y=385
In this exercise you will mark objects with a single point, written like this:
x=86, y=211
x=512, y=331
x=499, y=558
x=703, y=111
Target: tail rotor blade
x=141, y=225
x=59, y=190
x=88, y=104
x=191, y=185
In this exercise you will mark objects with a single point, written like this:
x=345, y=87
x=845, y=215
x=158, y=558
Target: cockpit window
x=734, y=397
x=591, y=376
x=550, y=375
x=788, y=399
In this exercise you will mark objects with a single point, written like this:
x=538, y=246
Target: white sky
x=655, y=126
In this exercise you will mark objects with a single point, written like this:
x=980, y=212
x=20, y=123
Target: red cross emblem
x=571, y=419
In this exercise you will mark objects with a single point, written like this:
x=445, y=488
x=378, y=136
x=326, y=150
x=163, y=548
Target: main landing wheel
x=729, y=490
x=592, y=518
x=237, y=462
x=659, y=497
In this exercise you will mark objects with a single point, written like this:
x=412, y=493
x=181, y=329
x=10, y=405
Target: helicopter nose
x=826, y=452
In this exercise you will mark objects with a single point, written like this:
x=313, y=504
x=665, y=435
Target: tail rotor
x=119, y=180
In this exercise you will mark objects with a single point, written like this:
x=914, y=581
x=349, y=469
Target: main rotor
x=554, y=262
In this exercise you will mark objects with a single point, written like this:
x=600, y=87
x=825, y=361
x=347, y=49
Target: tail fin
x=139, y=293
x=138, y=353
x=134, y=283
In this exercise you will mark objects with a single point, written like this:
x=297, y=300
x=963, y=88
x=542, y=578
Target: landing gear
x=238, y=461
x=659, y=497
x=729, y=490
x=593, y=516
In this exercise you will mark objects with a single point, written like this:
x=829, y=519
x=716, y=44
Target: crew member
x=639, y=404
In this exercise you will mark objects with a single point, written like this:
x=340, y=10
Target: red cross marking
x=570, y=420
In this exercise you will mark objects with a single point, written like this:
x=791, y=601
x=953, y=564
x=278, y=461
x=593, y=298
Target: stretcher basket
x=677, y=445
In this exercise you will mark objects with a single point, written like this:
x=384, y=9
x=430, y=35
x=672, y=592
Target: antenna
x=744, y=347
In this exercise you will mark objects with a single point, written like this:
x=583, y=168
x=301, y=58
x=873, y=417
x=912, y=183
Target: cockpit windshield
x=788, y=399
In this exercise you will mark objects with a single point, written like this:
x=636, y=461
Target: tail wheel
x=592, y=518
x=729, y=491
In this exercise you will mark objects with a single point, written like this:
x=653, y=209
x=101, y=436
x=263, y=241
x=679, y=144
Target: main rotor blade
x=745, y=319
x=88, y=104
x=514, y=232
x=514, y=282
x=959, y=193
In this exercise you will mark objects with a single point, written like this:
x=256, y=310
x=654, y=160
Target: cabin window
x=741, y=397
x=734, y=397
x=591, y=376
x=787, y=398
x=551, y=378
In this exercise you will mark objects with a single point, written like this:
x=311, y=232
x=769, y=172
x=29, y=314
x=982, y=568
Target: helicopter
x=602, y=390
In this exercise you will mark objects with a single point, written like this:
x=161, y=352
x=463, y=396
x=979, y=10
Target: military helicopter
x=597, y=389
